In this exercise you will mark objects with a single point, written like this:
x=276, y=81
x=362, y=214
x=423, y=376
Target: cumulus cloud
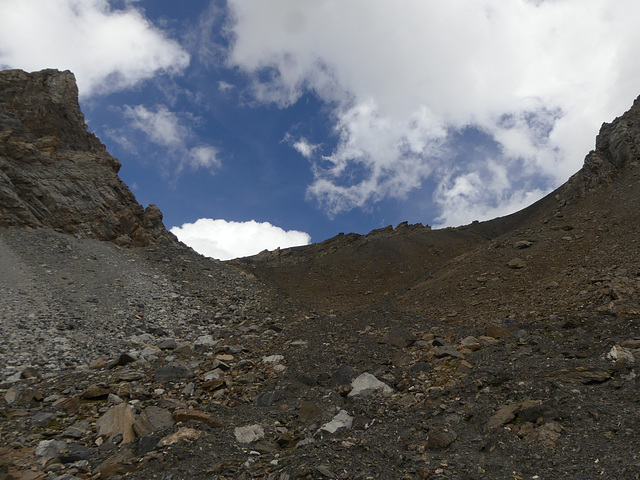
x=166, y=129
x=108, y=49
x=403, y=78
x=226, y=240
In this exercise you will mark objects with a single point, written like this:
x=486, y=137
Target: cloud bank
x=536, y=78
x=226, y=240
x=106, y=48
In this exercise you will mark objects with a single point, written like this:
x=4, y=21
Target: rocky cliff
x=54, y=173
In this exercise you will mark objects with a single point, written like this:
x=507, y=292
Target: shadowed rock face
x=53, y=173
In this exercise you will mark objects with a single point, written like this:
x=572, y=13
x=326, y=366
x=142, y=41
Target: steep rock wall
x=54, y=173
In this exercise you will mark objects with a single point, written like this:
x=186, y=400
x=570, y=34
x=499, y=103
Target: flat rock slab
x=118, y=419
x=503, y=416
x=185, y=415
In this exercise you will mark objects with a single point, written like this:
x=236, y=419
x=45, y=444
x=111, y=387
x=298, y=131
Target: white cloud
x=226, y=240
x=166, y=129
x=305, y=148
x=204, y=156
x=537, y=77
x=161, y=126
x=107, y=49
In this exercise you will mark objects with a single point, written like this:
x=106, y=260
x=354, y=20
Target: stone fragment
x=621, y=355
x=523, y=244
x=399, y=337
x=517, y=263
x=420, y=367
x=29, y=372
x=401, y=359
x=95, y=391
x=98, y=364
x=74, y=452
x=325, y=471
x=343, y=376
x=440, y=438
x=117, y=420
x=173, y=373
x=168, y=344
x=213, y=384
x=584, y=375
x=366, y=384
x=341, y=420
x=48, y=449
x=121, y=360
x=533, y=410
x=471, y=343
x=272, y=359
x=224, y=358
x=128, y=376
x=120, y=463
x=76, y=430
x=151, y=419
x=496, y=331
x=233, y=349
x=205, y=341
x=248, y=434
x=269, y=398
x=265, y=447
x=69, y=405
x=185, y=415
x=308, y=411
x=360, y=422
x=547, y=435
x=447, y=351
x=146, y=444
x=183, y=434
x=20, y=395
x=42, y=419
x=503, y=416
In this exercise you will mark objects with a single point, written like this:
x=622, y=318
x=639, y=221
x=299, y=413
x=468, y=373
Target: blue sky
x=325, y=116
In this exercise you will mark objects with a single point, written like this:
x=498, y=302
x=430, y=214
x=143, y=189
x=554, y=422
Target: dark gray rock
x=146, y=444
x=343, y=376
x=447, y=352
x=173, y=373
x=42, y=419
x=269, y=398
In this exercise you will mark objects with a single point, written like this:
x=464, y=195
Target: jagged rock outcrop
x=54, y=173
x=617, y=148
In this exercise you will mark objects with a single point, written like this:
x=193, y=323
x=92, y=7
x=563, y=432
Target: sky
x=258, y=124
